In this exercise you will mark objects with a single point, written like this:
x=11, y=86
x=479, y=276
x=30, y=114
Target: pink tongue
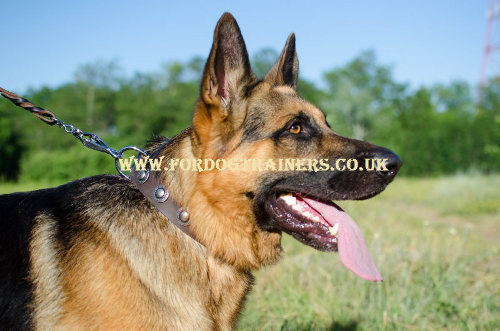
x=351, y=246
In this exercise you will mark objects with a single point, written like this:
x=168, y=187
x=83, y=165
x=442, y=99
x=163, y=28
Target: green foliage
x=436, y=130
x=361, y=97
x=10, y=147
x=73, y=163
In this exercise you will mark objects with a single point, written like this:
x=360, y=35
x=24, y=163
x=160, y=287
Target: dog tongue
x=351, y=246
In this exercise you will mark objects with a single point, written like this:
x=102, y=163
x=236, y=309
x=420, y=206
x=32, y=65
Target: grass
x=436, y=242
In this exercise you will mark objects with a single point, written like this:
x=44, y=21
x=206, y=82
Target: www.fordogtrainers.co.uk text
x=201, y=165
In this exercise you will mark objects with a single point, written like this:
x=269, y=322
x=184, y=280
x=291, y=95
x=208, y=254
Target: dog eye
x=295, y=128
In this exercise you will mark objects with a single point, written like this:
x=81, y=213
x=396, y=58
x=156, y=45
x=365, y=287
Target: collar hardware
x=161, y=194
x=183, y=215
x=142, y=176
x=150, y=184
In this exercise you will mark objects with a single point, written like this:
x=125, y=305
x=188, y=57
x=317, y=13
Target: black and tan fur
x=94, y=254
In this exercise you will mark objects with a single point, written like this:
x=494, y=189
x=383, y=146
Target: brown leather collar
x=151, y=186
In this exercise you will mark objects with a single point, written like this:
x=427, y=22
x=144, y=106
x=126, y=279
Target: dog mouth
x=325, y=226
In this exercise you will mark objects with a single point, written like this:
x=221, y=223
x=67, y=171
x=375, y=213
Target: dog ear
x=227, y=71
x=286, y=70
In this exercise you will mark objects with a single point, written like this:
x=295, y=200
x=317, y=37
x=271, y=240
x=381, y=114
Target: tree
x=11, y=148
x=358, y=93
x=487, y=126
x=100, y=79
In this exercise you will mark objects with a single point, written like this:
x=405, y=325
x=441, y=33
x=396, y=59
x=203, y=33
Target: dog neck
x=219, y=219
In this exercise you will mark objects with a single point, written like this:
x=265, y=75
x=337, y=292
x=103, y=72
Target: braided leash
x=45, y=115
x=89, y=140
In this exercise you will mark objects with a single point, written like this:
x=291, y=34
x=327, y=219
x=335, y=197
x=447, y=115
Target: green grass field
x=436, y=242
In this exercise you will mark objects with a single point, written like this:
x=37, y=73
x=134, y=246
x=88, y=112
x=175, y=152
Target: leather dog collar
x=151, y=186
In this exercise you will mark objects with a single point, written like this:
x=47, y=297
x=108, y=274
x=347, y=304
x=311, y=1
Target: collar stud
x=160, y=193
x=182, y=215
x=142, y=176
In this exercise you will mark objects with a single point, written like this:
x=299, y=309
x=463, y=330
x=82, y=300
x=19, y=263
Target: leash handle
x=89, y=140
x=43, y=114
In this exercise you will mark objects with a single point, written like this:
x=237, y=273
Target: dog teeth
x=289, y=199
x=308, y=215
x=334, y=229
x=316, y=219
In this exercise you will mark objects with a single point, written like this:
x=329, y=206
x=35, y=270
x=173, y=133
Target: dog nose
x=392, y=162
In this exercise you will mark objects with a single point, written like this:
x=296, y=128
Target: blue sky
x=425, y=41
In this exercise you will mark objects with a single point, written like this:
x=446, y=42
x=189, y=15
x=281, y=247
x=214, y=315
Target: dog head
x=295, y=163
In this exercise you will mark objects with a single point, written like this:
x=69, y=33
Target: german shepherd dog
x=95, y=254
